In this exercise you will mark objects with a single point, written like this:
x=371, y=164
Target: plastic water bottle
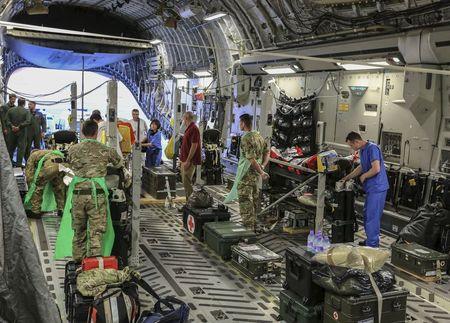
x=311, y=238
x=317, y=241
x=326, y=243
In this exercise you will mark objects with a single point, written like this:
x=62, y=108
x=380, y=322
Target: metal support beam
x=136, y=164
x=320, y=201
x=73, y=106
x=320, y=210
x=112, y=113
x=177, y=115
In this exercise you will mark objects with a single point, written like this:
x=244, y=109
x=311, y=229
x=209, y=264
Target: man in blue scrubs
x=372, y=174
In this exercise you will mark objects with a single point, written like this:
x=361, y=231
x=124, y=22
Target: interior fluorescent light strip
x=278, y=70
x=179, y=75
x=214, y=16
x=202, y=73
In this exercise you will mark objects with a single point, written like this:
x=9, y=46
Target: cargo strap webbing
x=329, y=256
x=438, y=270
x=376, y=289
x=379, y=297
x=101, y=263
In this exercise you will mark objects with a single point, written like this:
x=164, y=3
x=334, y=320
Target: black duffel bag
x=166, y=310
x=351, y=282
x=425, y=227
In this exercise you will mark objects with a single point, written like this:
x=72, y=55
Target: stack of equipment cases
x=220, y=236
x=343, y=217
x=419, y=260
x=297, y=221
x=364, y=308
x=154, y=181
x=194, y=219
x=412, y=190
x=77, y=305
x=256, y=261
x=440, y=191
x=212, y=169
x=120, y=209
x=303, y=300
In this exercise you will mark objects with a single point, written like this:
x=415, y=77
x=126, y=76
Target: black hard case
x=154, y=181
x=199, y=217
x=299, y=276
x=345, y=309
x=418, y=260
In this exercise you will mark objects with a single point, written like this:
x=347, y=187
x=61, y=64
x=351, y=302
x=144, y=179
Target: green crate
x=292, y=310
x=256, y=261
x=220, y=236
x=418, y=259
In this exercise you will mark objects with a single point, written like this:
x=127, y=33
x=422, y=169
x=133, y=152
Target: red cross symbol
x=191, y=223
x=335, y=316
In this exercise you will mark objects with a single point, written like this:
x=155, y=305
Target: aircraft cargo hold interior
x=225, y=161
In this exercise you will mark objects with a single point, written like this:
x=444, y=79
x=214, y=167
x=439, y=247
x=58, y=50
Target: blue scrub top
x=367, y=155
x=155, y=139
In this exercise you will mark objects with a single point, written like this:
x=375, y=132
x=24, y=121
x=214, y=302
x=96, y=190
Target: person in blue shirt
x=153, y=143
x=372, y=174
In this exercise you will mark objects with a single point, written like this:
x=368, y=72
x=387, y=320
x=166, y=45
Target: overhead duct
x=428, y=46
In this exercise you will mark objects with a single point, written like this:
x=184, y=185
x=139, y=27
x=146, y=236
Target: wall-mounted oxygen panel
x=398, y=117
x=421, y=92
x=326, y=86
x=358, y=107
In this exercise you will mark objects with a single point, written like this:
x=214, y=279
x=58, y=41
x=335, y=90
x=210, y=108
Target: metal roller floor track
x=175, y=263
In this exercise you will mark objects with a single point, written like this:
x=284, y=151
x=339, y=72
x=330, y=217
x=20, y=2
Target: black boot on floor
x=362, y=243
x=33, y=215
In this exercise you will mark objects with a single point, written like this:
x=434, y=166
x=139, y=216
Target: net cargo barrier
x=365, y=258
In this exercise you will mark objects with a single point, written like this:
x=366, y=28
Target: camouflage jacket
x=95, y=281
x=90, y=158
x=49, y=168
x=254, y=146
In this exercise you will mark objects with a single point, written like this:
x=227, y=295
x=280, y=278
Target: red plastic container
x=100, y=262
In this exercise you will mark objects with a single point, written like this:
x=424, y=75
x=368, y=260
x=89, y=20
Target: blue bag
x=174, y=311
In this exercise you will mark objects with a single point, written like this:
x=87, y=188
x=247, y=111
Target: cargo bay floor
x=175, y=263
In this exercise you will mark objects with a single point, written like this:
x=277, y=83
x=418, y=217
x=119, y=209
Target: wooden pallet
x=147, y=199
x=290, y=230
x=425, y=279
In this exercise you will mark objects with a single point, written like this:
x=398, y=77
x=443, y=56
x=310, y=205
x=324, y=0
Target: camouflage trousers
x=87, y=218
x=48, y=174
x=248, y=195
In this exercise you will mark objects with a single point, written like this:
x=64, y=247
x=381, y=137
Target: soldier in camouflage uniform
x=88, y=160
x=49, y=173
x=254, y=150
x=17, y=121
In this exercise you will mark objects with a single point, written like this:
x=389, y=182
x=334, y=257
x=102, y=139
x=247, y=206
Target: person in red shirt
x=190, y=154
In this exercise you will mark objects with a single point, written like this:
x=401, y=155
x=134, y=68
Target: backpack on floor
x=117, y=304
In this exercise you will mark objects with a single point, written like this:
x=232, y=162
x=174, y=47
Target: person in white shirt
x=136, y=123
